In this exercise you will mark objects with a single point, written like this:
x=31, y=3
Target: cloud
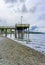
x=34, y=6
x=22, y=0
x=24, y=9
x=10, y=6
x=33, y=9
x=11, y=1
x=3, y=23
x=34, y=28
x=41, y=17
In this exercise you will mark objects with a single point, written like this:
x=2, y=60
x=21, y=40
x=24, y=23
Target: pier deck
x=22, y=26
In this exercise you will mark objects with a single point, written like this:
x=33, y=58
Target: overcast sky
x=33, y=12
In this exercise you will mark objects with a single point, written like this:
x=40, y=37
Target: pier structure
x=17, y=30
x=7, y=30
x=20, y=30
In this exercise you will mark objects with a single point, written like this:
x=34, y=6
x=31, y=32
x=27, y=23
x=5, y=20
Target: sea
x=37, y=41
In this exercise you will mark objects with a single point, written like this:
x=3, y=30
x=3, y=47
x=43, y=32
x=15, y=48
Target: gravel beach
x=12, y=53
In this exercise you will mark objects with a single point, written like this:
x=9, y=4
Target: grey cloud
x=10, y=6
x=22, y=0
x=10, y=1
x=41, y=17
x=24, y=8
x=34, y=28
x=33, y=9
x=3, y=22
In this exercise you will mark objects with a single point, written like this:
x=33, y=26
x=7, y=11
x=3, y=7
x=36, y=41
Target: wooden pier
x=18, y=30
x=6, y=30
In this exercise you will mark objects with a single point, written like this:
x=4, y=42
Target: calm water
x=37, y=42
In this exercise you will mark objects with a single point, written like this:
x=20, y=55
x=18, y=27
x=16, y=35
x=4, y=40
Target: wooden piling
x=6, y=32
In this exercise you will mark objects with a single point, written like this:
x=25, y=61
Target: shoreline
x=19, y=54
x=25, y=44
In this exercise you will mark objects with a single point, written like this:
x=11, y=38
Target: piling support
x=28, y=34
x=10, y=32
x=15, y=33
x=5, y=32
x=22, y=34
x=18, y=34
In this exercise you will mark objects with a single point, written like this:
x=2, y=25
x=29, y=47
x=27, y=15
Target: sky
x=33, y=12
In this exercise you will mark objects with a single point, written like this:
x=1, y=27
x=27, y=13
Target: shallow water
x=37, y=41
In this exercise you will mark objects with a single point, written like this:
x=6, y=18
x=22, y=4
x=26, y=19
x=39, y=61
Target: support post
x=10, y=32
x=15, y=33
x=5, y=32
x=22, y=34
x=28, y=34
x=18, y=34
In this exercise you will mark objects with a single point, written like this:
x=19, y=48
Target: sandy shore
x=12, y=53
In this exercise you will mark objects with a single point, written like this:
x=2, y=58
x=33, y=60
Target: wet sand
x=12, y=53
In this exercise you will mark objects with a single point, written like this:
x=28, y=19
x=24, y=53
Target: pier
x=7, y=30
x=20, y=30
x=17, y=30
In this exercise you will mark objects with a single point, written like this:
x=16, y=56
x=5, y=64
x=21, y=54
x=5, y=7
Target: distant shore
x=12, y=53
